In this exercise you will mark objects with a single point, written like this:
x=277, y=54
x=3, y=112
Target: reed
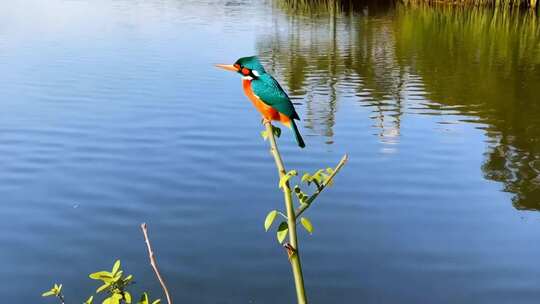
x=490, y=3
x=337, y=5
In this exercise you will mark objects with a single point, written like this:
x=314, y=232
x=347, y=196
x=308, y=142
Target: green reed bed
x=494, y=3
x=336, y=5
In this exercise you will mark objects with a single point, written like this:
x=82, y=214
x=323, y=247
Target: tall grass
x=332, y=5
x=493, y=3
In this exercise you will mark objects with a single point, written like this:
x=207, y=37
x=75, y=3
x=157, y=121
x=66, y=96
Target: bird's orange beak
x=228, y=67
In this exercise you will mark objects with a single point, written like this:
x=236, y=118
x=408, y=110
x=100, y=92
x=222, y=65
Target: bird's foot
x=264, y=121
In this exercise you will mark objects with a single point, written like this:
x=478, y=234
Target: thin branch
x=153, y=263
x=291, y=220
x=308, y=202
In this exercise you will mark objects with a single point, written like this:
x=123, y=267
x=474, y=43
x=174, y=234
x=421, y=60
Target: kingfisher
x=265, y=93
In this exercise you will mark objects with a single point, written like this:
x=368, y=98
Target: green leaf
x=307, y=224
x=270, y=217
x=264, y=135
x=90, y=300
x=282, y=231
x=306, y=178
x=103, y=287
x=101, y=275
x=55, y=291
x=285, y=178
x=115, y=267
x=144, y=298
x=113, y=299
x=117, y=276
x=108, y=300
x=302, y=197
x=318, y=176
x=276, y=131
x=127, y=297
x=128, y=279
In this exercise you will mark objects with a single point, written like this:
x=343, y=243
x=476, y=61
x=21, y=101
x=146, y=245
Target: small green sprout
x=275, y=130
x=285, y=178
x=282, y=232
x=270, y=219
x=55, y=291
x=145, y=300
x=306, y=223
x=302, y=197
x=114, y=284
x=321, y=179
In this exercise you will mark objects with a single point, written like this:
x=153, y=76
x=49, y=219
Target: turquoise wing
x=271, y=93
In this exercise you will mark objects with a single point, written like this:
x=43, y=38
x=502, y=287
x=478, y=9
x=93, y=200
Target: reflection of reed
x=483, y=63
x=373, y=57
x=490, y=70
x=318, y=56
x=309, y=72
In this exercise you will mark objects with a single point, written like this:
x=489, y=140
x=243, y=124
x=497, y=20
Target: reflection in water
x=112, y=115
x=491, y=68
x=481, y=64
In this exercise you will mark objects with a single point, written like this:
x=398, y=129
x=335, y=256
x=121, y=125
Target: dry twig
x=153, y=263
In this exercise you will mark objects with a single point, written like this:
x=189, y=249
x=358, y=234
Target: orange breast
x=266, y=111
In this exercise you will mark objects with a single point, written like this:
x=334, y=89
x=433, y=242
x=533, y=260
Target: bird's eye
x=245, y=71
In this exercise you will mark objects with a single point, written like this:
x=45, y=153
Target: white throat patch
x=247, y=77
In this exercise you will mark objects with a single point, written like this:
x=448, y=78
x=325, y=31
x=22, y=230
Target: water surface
x=112, y=115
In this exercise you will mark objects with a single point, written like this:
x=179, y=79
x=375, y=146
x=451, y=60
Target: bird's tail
x=297, y=135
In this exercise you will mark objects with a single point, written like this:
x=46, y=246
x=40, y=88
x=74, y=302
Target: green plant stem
x=308, y=202
x=294, y=259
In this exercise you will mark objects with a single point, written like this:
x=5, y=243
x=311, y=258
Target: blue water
x=113, y=114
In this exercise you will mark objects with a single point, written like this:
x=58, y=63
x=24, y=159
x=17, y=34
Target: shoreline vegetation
x=532, y=4
x=456, y=56
x=346, y=5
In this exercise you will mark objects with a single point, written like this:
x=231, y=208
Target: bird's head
x=248, y=67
